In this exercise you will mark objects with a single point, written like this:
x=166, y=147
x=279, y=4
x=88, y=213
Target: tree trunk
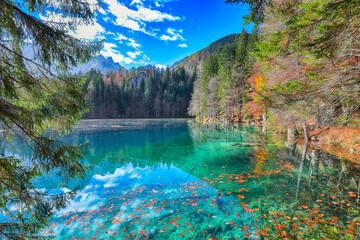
x=303, y=158
x=306, y=133
x=264, y=123
x=291, y=134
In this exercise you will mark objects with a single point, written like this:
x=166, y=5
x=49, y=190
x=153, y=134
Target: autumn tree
x=308, y=53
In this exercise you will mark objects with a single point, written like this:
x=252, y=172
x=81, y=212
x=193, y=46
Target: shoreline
x=341, y=142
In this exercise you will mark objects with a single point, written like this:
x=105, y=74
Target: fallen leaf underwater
x=177, y=181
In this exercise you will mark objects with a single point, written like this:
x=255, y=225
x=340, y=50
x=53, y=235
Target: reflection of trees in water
x=221, y=150
x=25, y=209
x=317, y=196
x=309, y=182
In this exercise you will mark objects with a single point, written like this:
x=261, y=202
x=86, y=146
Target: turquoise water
x=169, y=179
x=151, y=181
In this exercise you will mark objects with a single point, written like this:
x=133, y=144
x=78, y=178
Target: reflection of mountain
x=151, y=170
x=157, y=170
x=111, y=140
x=203, y=154
x=151, y=144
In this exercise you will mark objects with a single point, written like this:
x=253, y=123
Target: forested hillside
x=219, y=89
x=150, y=92
x=196, y=60
x=145, y=92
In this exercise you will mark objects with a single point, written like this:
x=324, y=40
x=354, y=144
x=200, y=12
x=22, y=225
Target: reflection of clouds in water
x=171, y=191
x=135, y=175
x=118, y=173
x=142, y=200
x=123, y=208
x=135, y=204
x=65, y=190
x=111, y=178
x=83, y=202
x=88, y=200
x=42, y=190
x=88, y=187
x=16, y=207
x=110, y=184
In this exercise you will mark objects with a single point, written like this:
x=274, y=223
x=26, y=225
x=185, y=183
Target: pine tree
x=148, y=93
x=210, y=69
x=256, y=7
x=226, y=64
x=241, y=47
x=251, y=48
x=36, y=97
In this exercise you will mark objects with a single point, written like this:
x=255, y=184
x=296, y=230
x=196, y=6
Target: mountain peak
x=99, y=63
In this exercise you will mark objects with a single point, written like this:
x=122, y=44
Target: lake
x=170, y=179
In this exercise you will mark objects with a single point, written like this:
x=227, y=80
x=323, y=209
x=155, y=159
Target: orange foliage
x=251, y=107
x=106, y=80
x=259, y=82
x=340, y=137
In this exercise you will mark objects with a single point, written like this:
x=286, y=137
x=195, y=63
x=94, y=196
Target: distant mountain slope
x=99, y=63
x=197, y=59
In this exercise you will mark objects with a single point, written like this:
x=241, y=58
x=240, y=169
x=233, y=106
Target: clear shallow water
x=167, y=179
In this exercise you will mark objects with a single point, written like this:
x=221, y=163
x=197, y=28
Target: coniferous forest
x=212, y=86
x=145, y=92
x=219, y=91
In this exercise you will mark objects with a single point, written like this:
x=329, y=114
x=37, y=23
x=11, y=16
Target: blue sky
x=160, y=32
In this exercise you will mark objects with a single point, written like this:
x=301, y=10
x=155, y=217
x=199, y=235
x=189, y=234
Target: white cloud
x=134, y=55
x=146, y=58
x=136, y=19
x=106, y=19
x=135, y=2
x=42, y=190
x=120, y=37
x=182, y=45
x=65, y=190
x=174, y=35
x=111, y=178
x=92, y=31
x=160, y=66
x=149, y=15
x=133, y=43
x=129, y=41
x=142, y=62
x=102, y=11
x=109, y=50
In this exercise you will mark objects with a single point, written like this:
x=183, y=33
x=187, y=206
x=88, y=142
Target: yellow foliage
x=259, y=82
